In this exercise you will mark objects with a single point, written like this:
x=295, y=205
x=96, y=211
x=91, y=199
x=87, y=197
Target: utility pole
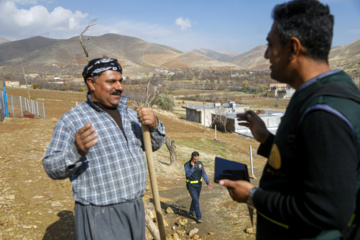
x=204, y=108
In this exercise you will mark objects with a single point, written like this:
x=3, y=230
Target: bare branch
x=27, y=86
x=147, y=102
x=82, y=40
x=172, y=150
x=220, y=117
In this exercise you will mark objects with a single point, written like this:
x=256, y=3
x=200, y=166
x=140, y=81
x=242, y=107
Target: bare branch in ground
x=82, y=40
x=172, y=150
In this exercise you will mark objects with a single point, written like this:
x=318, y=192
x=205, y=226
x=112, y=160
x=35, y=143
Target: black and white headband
x=100, y=65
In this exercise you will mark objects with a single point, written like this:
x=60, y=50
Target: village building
x=271, y=119
x=32, y=75
x=79, y=81
x=277, y=90
x=12, y=84
x=289, y=93
x=203, y=113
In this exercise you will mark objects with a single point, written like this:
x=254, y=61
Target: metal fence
x=20, y=107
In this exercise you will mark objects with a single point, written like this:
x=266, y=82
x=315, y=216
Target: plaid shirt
x=114, y=170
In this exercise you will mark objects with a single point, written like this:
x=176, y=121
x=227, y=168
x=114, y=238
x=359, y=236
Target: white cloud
x=25, y=2
x=183, y=23
x=17, y=23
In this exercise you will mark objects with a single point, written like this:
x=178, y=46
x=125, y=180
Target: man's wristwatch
x=249, y=199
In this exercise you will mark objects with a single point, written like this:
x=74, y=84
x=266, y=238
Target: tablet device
x=227, y=169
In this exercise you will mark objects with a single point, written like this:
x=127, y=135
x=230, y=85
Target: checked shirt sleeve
x=157, y=136
x=62, y=159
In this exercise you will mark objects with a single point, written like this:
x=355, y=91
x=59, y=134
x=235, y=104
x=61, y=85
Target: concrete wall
x=193, y=115
x=197, y=115
x=270, y=122
x=12, y=83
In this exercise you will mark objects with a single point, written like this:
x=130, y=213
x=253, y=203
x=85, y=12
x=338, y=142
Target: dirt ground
x=32, y=206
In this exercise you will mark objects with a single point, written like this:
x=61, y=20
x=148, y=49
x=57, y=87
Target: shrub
x=81, y=89
x=165, y=102
x=35, y=86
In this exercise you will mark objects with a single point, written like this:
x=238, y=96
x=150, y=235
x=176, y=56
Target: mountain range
x=138, y=55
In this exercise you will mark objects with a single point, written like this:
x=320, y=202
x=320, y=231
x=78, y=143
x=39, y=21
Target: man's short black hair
x=308, y=20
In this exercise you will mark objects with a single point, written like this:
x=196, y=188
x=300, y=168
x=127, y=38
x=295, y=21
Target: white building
x=271, y=119
x=203, y=113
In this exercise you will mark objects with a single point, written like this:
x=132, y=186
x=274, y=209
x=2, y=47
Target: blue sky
x=226, y=25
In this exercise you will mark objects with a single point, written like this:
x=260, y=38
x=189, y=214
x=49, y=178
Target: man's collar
x=123, y=102
x=313, y=80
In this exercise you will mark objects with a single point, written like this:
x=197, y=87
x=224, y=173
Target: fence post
x=12, y=105
x=1, y=106
x=215, y=131
x=251, y=162
x=43, y=109
x=21, y=109
x=28, y=105
x=6, y=102
x=25, y=104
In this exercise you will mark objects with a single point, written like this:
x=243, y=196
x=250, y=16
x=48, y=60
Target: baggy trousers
x=125, y=221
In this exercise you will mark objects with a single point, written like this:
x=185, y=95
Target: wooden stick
x=153, y=180
x=152, y=227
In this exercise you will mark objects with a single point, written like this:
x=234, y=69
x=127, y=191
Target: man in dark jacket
x=310, y=183
x=194, y=172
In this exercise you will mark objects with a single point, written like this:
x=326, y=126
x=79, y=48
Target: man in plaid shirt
x=99, y=146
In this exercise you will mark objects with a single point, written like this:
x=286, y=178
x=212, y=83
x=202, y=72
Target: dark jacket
x=310, y=184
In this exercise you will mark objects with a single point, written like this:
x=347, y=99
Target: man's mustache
x=116, y=93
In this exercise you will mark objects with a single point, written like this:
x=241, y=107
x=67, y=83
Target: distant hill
x=193, y=59
x=133, y=53
x=220, y=56
x=139, y=55
x=253, y=59
x=14, y=51
x=3, y=41
x=346, y=57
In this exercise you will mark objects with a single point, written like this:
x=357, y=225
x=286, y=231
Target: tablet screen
x=227, y=169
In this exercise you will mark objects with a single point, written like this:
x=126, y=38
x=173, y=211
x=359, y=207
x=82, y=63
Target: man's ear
x=295, y=48
x=91, y=83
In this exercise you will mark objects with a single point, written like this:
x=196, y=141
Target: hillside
x=3, y=41
x=346, y=57
x=21, y=50
x=193, y=59
x=32, y=206
x=253, y=59
x=224, y=57
x=138, y=55
x=130, y=51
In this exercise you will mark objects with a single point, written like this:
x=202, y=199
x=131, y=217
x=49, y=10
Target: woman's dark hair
x=194, y=154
